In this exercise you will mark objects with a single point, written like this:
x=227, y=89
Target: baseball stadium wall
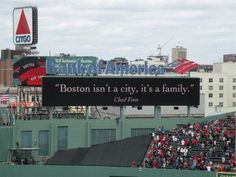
x=93, y=171
x=82, y=132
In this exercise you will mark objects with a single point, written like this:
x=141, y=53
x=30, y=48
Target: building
x=229, y=57
x=6, y=73
x=219, y=87
x=6, y=66
x=8, y=53
x=119, y=60
x=158, y=58
x=151, y=60
x=179, y=52
x=205, y=68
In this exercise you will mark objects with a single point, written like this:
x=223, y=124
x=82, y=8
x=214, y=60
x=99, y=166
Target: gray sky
x=129, y=28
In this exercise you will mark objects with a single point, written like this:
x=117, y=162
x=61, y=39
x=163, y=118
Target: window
x=234, y=87
x=210, y=95
x=221, y=87
x=99, y=136
x=33, y=98
x=141, y=131
x=234, y=80
x=221, y=80
x=210, y=79
x=43, y=142
x=221, y=95
x=200, y=87
x=26, y=139
x=210, y=87
x=221, y=104
x=234, y=95
x=200, y=79
x=210, y=104
x=234, y=104
x=62, y=137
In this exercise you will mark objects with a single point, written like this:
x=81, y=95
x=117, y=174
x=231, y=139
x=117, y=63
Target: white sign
x=23, y=25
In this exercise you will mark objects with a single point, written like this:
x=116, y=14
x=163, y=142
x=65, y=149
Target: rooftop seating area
x=204, y=146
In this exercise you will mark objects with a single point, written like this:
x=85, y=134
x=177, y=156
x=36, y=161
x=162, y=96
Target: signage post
x=157, y=112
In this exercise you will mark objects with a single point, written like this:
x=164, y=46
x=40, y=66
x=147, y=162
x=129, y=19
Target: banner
x=98, y=91
x=28, y=71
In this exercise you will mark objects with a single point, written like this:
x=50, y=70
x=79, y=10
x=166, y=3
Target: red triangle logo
x=23, y=27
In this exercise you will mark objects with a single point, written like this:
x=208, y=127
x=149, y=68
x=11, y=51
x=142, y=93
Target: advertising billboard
x=96, y=91
x=25, y=25
x=28, y=71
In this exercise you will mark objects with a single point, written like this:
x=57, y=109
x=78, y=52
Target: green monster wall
x=5, y=142
x=85, y=171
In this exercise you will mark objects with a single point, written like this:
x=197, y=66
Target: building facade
x=219, y=87
x=179, y=52
x=229, y=58
x=6, y=66
x=6, y=73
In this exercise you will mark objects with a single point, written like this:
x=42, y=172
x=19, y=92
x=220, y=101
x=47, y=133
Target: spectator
x=133, y=163
x=208, y=167
x=211, y=139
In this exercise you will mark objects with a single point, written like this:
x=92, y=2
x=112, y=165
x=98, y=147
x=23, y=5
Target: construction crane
x=163, y=45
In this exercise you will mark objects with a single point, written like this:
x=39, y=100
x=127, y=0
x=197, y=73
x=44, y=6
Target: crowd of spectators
x=205, y=146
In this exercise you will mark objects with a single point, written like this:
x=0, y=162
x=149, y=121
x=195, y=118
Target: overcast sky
x=129, y=28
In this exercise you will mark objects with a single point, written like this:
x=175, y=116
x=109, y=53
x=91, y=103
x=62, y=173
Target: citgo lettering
x=23, y=39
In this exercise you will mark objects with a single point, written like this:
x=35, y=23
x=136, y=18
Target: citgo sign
x=25, y=25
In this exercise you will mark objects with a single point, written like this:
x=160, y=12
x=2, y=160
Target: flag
x=182, y=65
x=5, y=97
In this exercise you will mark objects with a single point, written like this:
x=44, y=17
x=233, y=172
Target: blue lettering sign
x=109, y=68
x=57, y=66
x=23, y=39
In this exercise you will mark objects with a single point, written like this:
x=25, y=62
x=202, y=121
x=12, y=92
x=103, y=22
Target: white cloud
x=129, y=28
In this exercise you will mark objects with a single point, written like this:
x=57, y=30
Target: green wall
x=79, y=130
x=85, y=171
x=5, y=142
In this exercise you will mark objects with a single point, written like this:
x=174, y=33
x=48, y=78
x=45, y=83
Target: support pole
x=51, y=131
x=122, y=107
x=188, y=107
x=87, y=112
x=122, y=112
x=188, y=111
x=157, y=112
x=88, y=134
